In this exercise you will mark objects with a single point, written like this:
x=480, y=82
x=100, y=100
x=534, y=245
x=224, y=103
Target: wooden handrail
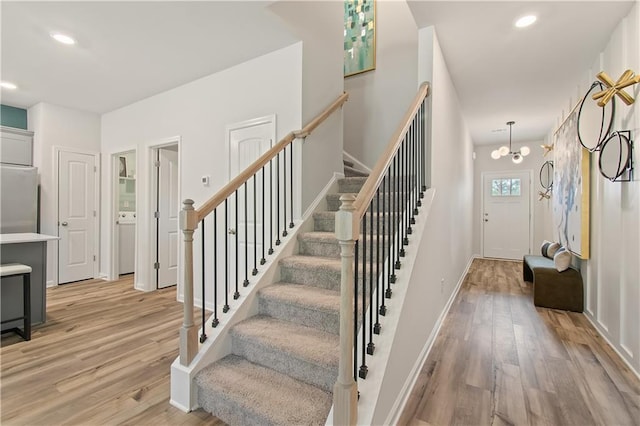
x=252, y=169
x=369, y=188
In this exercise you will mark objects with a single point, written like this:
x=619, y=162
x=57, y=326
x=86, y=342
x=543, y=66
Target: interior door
x=76, y=216
x=247, y=142
x=506, y=216
x=168, y=210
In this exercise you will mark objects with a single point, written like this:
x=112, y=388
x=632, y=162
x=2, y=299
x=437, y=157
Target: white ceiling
x=504, y=73
x=128, y=51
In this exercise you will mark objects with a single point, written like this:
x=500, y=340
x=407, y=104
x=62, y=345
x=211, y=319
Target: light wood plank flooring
x=498, y=360
x=102, y=357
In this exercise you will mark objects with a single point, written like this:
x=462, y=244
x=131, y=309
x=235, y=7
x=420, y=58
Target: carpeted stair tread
x=317, y=271
x=348, y=163
x=319, y=299
x=324, y=221
x=353, y=172
x=316, y=346
x=351, y=184
x=318, y=236
x=299, y=261
x=242, y=393
x=302, y=304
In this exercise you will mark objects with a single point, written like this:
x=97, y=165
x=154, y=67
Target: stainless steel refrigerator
x=18, y=199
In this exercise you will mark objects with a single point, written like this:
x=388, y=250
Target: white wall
x=320, y=27
x=68, y=129
x=378, y=99
x=612, y=274
x=484, y=163
x=197, y=113
x=445, y=249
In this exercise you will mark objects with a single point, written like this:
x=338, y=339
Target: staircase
x=351, y=171
x=284, y=361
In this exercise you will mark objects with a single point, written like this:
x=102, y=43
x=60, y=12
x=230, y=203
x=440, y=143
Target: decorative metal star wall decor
x=547, y=149
x=544, y=195
x=626, y=79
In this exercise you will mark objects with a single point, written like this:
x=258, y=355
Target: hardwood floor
x=102, y=357
x=498, y=360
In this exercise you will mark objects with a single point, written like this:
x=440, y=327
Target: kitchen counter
x=29, y=249
x=25, y=237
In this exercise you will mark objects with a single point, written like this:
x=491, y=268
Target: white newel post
x=345, y=392
x=188, y=332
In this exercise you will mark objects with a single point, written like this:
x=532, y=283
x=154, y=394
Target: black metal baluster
x=215, y=321
x=416, y=173
x=270, y=207
x=371, y=347
x=291, y=225
x=284, y=192
x=225, y=308
x=264, y=223
x=255, y=227
x=388, y=265
x=203, y=336
x=423, y=155
x=245, y=283
x=363, y=368
x=236, y=294
x=407, y=179
x=355, y=313
x=419, y=159
x=395, y=260
x=412, y=175
x=382, y=310
x=397, y=214
x=405, y=211
x=278, y=199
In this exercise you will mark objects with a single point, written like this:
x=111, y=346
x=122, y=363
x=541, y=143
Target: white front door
x=76, y=216
x=168, y=209
x=506, y=214
x=247, y=142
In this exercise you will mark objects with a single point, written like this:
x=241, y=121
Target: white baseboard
x=615, y=349
x=321, y=198
x=405, y=393
x=355, y=161
x=51, y=283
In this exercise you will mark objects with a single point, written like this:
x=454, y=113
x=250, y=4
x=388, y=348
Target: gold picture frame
x=359, y=36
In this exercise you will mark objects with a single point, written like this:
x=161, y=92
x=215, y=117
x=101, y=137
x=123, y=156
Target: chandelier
x=516, y=156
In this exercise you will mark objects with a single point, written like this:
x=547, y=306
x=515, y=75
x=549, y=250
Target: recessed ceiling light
x=525, y=21
x=8, y=85
x=63, y=38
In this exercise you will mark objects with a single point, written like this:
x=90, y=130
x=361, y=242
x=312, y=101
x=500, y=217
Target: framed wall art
x=571, y=189
x=359, y=36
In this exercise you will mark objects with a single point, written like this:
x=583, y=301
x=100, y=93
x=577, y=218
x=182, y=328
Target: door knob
x=486, y=220
x=64, y=224
x=232, y=231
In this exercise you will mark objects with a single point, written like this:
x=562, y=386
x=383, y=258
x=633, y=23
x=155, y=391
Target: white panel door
x=506, y=216
x=168, y=209
x=76, y=216
x=247, y=142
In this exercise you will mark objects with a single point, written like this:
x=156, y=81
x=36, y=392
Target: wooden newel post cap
x=188, y=216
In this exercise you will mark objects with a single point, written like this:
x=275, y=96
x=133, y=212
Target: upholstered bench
x=553, y=289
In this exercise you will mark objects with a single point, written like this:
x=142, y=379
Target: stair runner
x=284, y=360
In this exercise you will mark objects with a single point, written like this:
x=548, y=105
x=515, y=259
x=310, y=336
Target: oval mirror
x=546, y=175
x=615, y=155
x=594, y=122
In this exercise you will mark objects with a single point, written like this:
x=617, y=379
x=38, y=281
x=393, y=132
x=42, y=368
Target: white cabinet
x=16, y=146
